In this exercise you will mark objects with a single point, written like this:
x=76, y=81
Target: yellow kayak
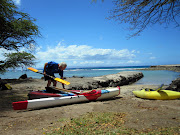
x=157, y=94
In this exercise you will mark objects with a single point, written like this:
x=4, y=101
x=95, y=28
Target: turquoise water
x=158, y=77
x=150, y=77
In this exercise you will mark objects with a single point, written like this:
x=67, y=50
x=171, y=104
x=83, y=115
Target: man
x=52, y=67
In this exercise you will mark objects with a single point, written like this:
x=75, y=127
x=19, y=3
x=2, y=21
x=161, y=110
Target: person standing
x=52, y=67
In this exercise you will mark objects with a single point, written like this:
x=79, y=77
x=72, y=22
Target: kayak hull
x=159, y=95
x=93, y=95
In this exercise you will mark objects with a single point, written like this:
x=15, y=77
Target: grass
x=108, y=123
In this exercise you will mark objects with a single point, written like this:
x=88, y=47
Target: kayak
x=157, y=94
x=44, y=94
x=52, y=92
x=93, y=95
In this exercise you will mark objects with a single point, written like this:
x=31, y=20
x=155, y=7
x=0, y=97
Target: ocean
x=157, y=77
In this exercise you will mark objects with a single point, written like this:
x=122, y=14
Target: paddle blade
x=32, y=69
x=62, y=81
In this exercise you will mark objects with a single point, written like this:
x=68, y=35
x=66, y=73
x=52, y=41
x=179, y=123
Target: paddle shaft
x=61, y=89
x=56, y=79
x=46, y=75
x=158, y=89
x=65, y=90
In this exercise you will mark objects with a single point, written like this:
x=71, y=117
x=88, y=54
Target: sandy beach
x=141, y=114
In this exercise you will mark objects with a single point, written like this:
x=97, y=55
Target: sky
x=78, y=33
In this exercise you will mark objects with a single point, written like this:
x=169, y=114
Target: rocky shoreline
x=112, y=80
x=87, y=83
x=175, y=68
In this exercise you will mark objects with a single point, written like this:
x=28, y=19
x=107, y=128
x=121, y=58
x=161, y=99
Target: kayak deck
x=159, y=95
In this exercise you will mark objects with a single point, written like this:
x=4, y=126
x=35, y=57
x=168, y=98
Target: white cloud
x=2, y=51
x=134, y=51
x=84, y=52
x=75, y=62
x=84, y=55
x=152, y=58
x=133, y=62
x=17, y=2
x=81, y=55
x=91, y=62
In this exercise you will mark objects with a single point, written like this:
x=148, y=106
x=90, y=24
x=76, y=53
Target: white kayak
x=56, y=101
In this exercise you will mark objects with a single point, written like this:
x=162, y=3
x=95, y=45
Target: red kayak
x=51, y=92
x=45, y=94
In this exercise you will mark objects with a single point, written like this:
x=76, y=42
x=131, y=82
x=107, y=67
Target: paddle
x=158, y=89
x=64, y=90
x=56, y=79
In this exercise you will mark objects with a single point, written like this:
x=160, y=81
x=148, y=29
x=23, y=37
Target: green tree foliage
x=17, y=30
x=18, y=59
x=140, y=14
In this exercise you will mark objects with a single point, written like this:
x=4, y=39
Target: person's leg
x=49, y=83
x=54, y=83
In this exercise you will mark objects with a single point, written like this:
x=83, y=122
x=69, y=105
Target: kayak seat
x=147, y=89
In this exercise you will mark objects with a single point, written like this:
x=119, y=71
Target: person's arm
x=45, y=65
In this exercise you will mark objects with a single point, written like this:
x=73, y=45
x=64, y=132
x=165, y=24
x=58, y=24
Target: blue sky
x=77, y=32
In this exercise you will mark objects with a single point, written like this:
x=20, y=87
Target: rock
x=175, y=68
x=86, y=87
x=112, y=80
x=102, y=81
x=24, y=76
x=175, y=85
x=77, y=76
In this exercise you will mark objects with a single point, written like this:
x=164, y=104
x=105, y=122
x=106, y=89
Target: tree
x=18, y=59
x=140, y=14
x=17, y=30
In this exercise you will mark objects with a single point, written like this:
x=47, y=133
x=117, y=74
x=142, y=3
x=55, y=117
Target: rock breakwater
x=112, y=80
x=175, y=68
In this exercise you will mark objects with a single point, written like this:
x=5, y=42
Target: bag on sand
x=4, y=86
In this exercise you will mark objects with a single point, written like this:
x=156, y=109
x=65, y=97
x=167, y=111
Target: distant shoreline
x=175, y=67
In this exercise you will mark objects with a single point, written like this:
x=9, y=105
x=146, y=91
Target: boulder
x=24, y=76
x=175, y=85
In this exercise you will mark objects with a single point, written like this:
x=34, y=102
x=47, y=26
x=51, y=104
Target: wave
x=115, y=69
x=102, y=69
